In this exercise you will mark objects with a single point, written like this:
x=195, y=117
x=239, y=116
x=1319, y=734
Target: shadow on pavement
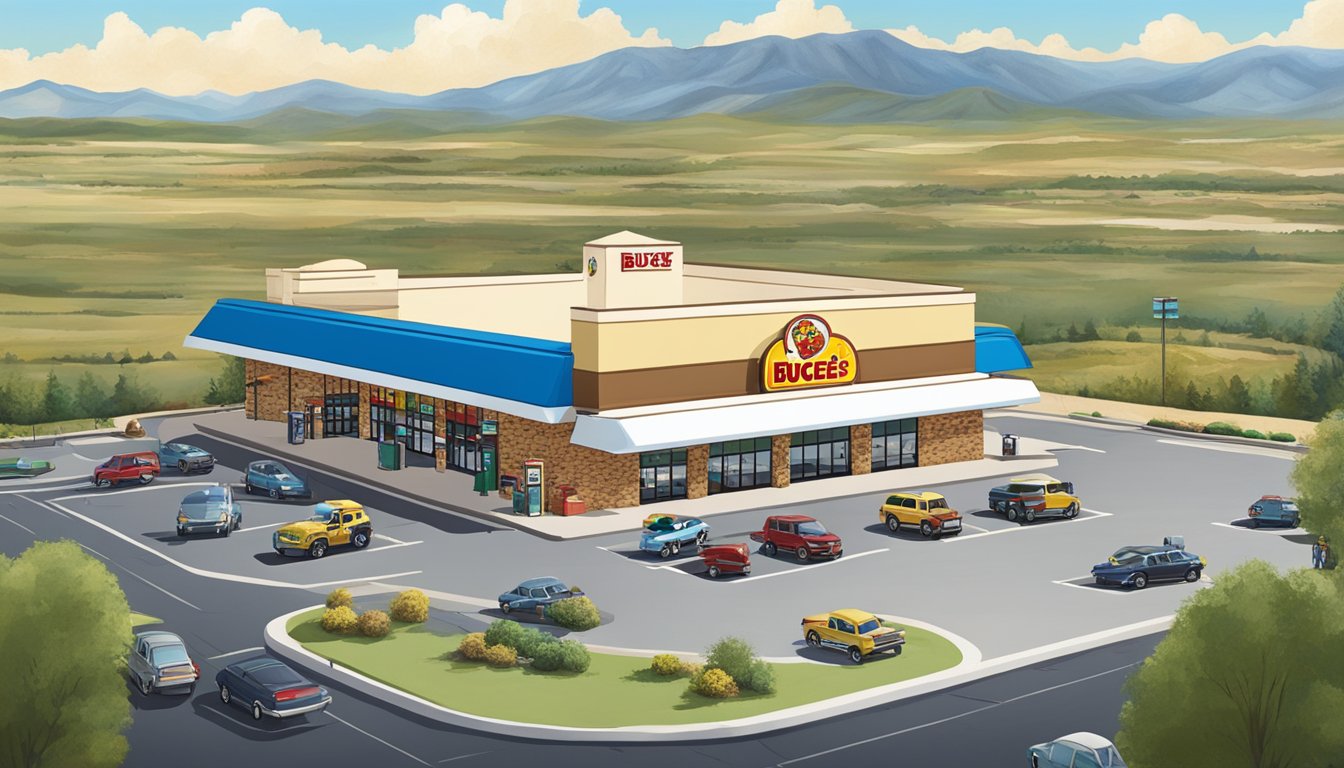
x=837, y=658
x=237, y=720
x=154, y=701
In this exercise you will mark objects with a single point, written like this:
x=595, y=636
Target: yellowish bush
x=714, y=683
x=340, y=620
x=374, y=624
x=411, y=606
x=473, y=646
x=500, y=656
x=338, y=597
x=666, y=664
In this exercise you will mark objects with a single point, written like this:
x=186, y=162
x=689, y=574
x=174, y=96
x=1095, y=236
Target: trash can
x=574, y=506
x=1174, y=541
x=562, y=492
x=519, y=503
x=1010, y=445
x=390, y=455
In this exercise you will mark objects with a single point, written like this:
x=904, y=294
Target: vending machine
x=534, y=488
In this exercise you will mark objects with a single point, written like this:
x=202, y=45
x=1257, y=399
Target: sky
x=424, y=46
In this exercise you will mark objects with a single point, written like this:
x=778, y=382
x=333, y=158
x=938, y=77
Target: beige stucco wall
x=538, y=309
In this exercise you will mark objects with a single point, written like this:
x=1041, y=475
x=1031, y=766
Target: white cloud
x=1172, y=38
x=455, y=49
x=791, y=18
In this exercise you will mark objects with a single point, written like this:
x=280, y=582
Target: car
x=1034, y=496
x=1274, y=510
x=332, y=524
x=668, y=534
x=159, y=662
x=537, y=592
x=22, y=467
x=1136, y=566
x=142, y=467
x=927, y=511
x=858, y=633
x=800, y=535
x=265, y=686
x=274, y=479
x=209, y=510
x=1077, y=750
x=187, y=458
x=725, y=558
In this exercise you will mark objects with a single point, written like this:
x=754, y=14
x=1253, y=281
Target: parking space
x=1090, y=584
x=995, y=523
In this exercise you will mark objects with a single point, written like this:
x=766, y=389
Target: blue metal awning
x=519, y=375
x=998, y=349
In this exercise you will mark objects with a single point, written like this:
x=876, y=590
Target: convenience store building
x=639, y=379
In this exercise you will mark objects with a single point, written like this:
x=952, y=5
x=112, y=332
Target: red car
x=802, y=535
x=141, y=467
x=726, y=558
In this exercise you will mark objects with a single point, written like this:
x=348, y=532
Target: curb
x=279, y=642
x=1294, y=447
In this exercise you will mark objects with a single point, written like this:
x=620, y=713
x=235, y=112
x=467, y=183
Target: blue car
x=264, y=686
x=274, y=479
x=667, y=535
x=1137, y=566
x=536, y=592
x=209, y=510
x=187, y=458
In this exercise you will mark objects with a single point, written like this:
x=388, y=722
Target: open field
x=120, y=234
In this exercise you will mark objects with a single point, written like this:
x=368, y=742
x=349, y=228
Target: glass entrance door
x=739, y=464
x=819, y=453
x=340, y=414
x=662, y=475
x=419, y=426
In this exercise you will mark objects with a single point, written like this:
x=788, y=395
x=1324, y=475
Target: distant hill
x=866, y=76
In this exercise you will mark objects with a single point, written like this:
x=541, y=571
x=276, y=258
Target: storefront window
x=383, y=413
x=662, y=475
x=463, y=434
x=420, y=425
x=340, y=414
x=895, y=444
x=819, y=453
x=738, y=464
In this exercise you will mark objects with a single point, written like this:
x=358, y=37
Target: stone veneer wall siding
x=951, y=437
x=779, y=460
x=304, y=386
x=365, y=426
x=267, y=402
x=861, y=449
x=603, y=480
x=697, y=471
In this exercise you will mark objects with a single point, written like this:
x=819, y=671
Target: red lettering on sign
x=783, y=371
x=634, y=261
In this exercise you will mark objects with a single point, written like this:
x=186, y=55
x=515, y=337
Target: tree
x=1204, y=340
x=1133, y=337
x=1333, y=341
x=1072, y=334
x=56, y=401
x=1257, y=324
x=1220, y=688
x=1319, y=479
x=130, y=396
x=90, y=398
x=167, y=356
x=1238, y=396
x=148, y=357
x=67, y=620
x=228, y=388
x=1193, y=400
x=1090, y=331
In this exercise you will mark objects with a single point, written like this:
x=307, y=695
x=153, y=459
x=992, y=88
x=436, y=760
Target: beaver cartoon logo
x=808, y=355
x=592, y=266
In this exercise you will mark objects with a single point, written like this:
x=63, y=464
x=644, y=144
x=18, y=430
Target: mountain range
x=867, y=76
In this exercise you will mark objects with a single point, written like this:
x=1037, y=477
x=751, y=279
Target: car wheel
x=318, y=549
x=676, y=547
x=1140, y=580
x=228, y=529
x=182, y=467
x=925, y=528
x=1012, y=513
x=1192, y=575
x=505, y=607
x=147, y=687
x=893, y=524
x=801, y=553
x=256, y=710
x=665, y=552
x=1035, y=762
x=1030, y=517
x=247, y=488
x=224, y=694
x=181, y=532
x=713, y=571
x=770, y=548
x=238, y=524
x=360, y=540
x=1072, y=511
x=855, y=655
x=273, y=493
x=1255, y=522
x=813, y=639
x=146, y=478
x=701, y=537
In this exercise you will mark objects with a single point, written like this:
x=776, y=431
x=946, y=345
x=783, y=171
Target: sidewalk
x=1064, y=405
x=355, y=458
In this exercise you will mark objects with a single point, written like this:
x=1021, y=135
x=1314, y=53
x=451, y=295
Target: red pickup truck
x=141, y=467
x=802, y=535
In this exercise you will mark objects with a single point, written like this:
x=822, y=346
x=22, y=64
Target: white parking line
x=21, y=525
x=385, y=537
x=235, y=653
x=41, y=489
x=1248, y=450
x=141, y=489
x=386, y=547
x=1115, y=589
x=1092, y=514
x=375, y=738
x=259, y=527
x=1247, y=528
x=463, y=757
x=109, y=561
x=842, y=559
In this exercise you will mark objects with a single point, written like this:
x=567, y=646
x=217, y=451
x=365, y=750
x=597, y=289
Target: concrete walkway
x=356, y=459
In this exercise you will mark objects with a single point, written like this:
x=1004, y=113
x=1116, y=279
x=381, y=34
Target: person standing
x=1318, y=554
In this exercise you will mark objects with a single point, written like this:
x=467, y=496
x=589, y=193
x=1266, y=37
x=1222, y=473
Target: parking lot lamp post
x=1165, y=307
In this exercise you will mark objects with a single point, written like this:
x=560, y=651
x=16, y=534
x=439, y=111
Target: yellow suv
x=333, y=524
x=1027, y=498
x=927, y=511
x=858, y=633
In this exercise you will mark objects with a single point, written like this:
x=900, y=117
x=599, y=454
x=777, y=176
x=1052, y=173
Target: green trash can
x=519, y=503
x=389, y=455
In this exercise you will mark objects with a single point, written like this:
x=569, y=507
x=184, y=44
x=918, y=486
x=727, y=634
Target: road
x=1138, y=485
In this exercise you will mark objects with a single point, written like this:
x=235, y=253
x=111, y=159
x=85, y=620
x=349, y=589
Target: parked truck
x=1027, y=498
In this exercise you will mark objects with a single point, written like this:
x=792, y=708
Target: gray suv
x=1274, y=510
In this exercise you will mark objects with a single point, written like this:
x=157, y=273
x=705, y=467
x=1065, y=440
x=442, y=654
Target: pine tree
x=1334, y=325
x=1238, y=396
x=56, y=400
x=1090, y=331
x=1193, y=400
x=1072, y=334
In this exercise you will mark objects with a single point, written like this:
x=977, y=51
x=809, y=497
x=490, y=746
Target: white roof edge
x=546, y=415
x=626, y=237
x=677, y=429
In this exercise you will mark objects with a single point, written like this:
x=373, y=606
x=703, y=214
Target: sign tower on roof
x=629, y=270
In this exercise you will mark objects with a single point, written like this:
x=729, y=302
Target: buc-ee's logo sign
x=646, y=261
x=809, y=355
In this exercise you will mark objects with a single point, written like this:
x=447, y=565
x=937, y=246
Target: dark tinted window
x=275, y=675
x=908, y=503
x=347, y=518
x=844, y=626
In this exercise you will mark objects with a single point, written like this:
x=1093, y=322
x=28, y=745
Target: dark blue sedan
x=532, y=593
x=1137, y=566
x=187, y=458
x=275, y=480
x=264, y=686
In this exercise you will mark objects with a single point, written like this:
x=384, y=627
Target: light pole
x=1165, y=307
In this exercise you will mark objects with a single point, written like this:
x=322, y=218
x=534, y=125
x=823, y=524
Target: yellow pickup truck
x=858, y=633
x=333, y=524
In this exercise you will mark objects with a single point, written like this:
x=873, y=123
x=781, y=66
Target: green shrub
x=411, y=606
x=530, y=640
x=504, y=632
x=1255, y=433
x=731, y=654
x=500, y=656
x=374, y=624
x=714, y=683
x=340, y=620
x=1097, y=414
x=338, y=597
x=666, y=665
x=576, y=613
x=691, y=668
x=1133, y=336
x=760, y=677
x=1222, y=428
x=472, y=646
x=567, y=655
x=1161, y=423
x=1282, y=437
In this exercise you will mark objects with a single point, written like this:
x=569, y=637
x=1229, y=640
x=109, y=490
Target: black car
x=1137, y=566
x=265, y=686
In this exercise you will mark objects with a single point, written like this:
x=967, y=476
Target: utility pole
x=1165, y=307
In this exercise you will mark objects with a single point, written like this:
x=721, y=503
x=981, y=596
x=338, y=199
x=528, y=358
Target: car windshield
x=275, y=674
x=937, y=503
x=196, y=506
x=166, y=655
x=280, y=470
x=869, y=626
x=176, y=447
x=1289, y=506
x=811, y=528
x=1110, y=758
